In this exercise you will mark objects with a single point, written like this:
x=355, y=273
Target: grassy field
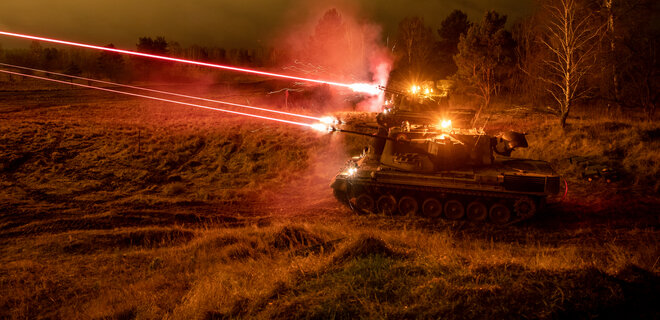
x=118, y=208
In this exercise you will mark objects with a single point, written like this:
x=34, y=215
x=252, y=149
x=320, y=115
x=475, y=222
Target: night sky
x=227, y=23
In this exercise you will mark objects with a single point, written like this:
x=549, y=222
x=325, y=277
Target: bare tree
x=570, y=37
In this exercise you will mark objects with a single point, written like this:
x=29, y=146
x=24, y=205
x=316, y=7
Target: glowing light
x=165, y=92
x=357, y=87
x=414, y=89
x=321, y=127
x=445, y=124
x=351, y=171
x=329, y=120
x=365, y=88
x=160, y=99
x=427, y=91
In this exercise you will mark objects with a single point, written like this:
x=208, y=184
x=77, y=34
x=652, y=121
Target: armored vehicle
x=441, y=171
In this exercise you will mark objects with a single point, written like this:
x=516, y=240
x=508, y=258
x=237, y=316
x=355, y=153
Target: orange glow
x=445, y=124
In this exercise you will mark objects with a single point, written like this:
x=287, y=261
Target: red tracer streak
x=361, y=87
x=161, y=99
x=165, y=92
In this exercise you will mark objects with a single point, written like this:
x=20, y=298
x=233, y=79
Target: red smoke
x=336, y=45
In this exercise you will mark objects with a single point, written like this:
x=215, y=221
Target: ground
x=123, y=208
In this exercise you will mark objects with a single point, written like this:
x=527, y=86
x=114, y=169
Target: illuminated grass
x=218, y=218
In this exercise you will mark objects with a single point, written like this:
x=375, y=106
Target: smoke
x=380, y=65
x=336, y=44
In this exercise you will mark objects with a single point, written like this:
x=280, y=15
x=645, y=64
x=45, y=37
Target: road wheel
x=454, y=210
x=525, y=208
x=386, y=204
x=476, y=211
x=431, y=208
x=365, y=203
x=408, y=205
x=499, y=213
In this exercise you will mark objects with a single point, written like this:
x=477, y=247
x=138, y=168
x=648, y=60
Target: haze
x=227, y=23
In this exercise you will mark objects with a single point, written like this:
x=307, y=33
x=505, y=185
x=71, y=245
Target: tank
x=427, y=166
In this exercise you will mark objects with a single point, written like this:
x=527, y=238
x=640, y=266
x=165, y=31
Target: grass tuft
x=294, y=237
x=364, y=247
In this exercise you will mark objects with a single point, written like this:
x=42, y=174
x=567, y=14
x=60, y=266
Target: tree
x=628, y=66
x=73, y=69
x=145, y=67
x=36, y=54
x=156, y=46
x=570, y=38
x=451, y=29
x=50, y=58
x=640, y=74
x=330, y=29
x=110, y=64
x=530, y=54
x=414, y=47
x=485, y=56
x=328, y=47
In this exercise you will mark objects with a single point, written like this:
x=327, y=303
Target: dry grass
x=247, y=272
x=219, y=218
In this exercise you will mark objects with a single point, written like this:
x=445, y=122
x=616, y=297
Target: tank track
x=376, y=190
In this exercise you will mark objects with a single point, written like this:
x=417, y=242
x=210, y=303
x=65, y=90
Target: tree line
x=118, y=67
x=600, y=52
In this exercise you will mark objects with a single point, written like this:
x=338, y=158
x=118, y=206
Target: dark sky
x=228, y=23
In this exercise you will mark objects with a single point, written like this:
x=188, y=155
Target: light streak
x=165, y=92
x=357, y=87
x=365, y=88
x=161, y=99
